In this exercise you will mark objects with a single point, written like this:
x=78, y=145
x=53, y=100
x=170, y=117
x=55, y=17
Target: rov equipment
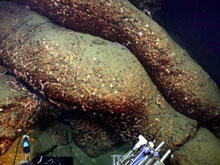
x=143, y=153
x=26, y=148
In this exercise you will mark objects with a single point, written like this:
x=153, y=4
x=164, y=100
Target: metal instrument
x=143, y=153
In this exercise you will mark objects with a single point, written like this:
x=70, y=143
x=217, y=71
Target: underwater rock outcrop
x=93, y=137
x=13, y=117
x=72, y=69
x=55, y=63
x=202, y=149
x=17, y=110
x=21, y=108
x=182, y=82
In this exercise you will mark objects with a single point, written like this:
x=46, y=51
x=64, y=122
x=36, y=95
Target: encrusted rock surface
x=17, y=110
x=14, y=116
x=199, y=150
x=182, y=82
x=103, y=80
x=93, y=137
x=70, y=68
x=22, y=108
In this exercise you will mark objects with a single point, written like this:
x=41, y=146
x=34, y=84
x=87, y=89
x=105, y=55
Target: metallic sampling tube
x=160, y=161
x=148, y=160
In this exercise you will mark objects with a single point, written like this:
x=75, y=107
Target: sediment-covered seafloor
x=184, y=84
x=106, y=82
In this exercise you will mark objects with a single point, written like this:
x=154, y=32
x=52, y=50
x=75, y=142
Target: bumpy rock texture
x=17, y=110
x=93, y=137
x=64, y=69
x=14, y=116
x=21, y=108
x=182, y=82
x=199, y=150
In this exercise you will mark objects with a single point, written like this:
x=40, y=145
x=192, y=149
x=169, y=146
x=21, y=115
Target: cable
x=16, y=152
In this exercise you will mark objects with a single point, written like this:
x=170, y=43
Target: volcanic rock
x=17, y=110
x=76, y=70
x=183, y=83
x=204, y=148
x=21, y=108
